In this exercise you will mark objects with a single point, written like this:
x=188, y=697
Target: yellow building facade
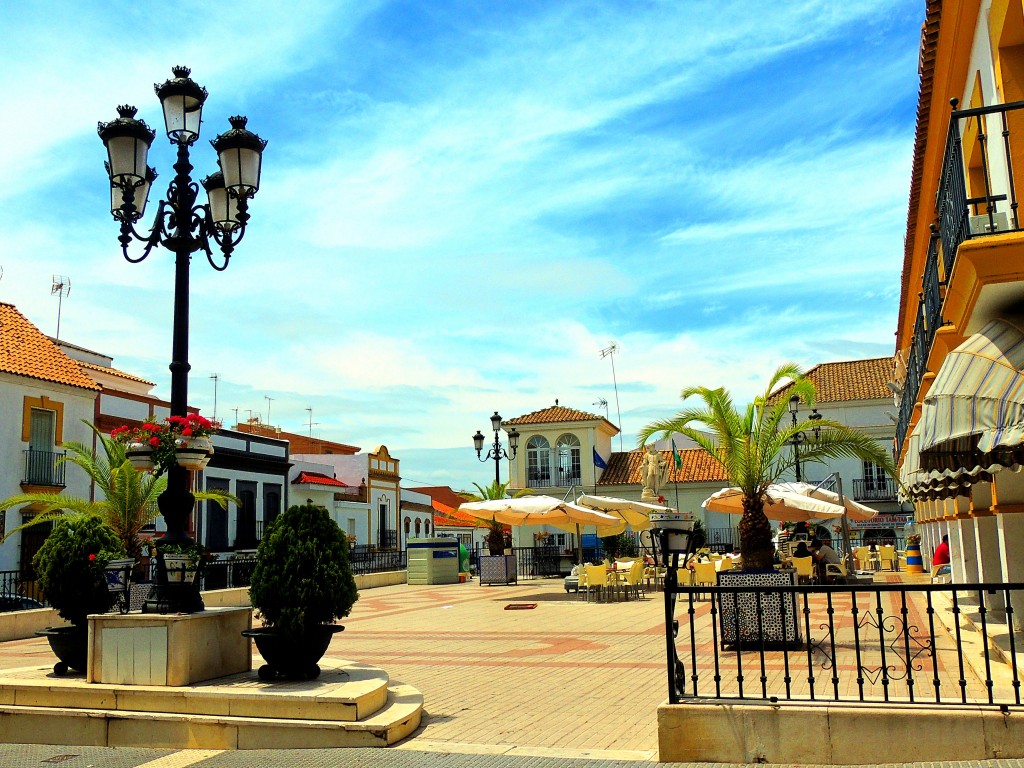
x=960, y=334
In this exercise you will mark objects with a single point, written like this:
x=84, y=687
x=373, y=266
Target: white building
x=45, y=398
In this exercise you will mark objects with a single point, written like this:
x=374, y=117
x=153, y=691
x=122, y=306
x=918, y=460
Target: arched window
x=418, y=526
x=408, y=522
x=567, y=449
x=538, y=462
x=426, y=527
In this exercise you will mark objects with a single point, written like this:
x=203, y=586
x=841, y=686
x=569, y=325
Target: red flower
x=92, y=558
x=154, y=441
x=187, y=431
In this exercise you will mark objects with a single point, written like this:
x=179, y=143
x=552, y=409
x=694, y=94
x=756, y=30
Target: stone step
x=345, y=691
x=398, y=718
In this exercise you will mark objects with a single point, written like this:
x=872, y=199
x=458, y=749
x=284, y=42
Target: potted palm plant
x=754, y=447
x=301, y=584
x=71, y=568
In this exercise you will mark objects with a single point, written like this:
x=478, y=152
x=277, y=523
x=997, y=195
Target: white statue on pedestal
x=652, y=465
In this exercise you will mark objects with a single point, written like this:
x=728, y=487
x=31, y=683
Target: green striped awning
x=972, y=418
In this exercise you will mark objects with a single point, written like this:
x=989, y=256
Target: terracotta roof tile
x=698, y=467
x=557, y=414
x=850, y=380
x=318, y=478
x=113, y=372
x=26, y=351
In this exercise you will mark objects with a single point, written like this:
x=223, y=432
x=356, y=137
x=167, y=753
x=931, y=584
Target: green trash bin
x=463, y=558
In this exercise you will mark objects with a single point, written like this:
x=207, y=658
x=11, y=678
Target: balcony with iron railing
x=989, y=207
x=44, y=468
x=874, y=489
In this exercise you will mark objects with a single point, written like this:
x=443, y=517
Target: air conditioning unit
x=984, y=225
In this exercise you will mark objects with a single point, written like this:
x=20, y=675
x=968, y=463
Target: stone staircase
x=349, y=705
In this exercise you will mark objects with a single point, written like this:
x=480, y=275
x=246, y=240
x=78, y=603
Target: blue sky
x=463, y=202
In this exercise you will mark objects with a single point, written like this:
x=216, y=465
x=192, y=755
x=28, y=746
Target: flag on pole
x=598, y=461
x=675, y=455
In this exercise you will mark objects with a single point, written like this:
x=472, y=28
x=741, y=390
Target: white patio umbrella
x=780, y=504
x=541, y=510
x=635, y=513
x=854, y=510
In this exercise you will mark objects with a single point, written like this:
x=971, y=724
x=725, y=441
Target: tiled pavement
x=566, y=683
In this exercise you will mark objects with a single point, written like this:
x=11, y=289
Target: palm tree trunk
x=756, y=546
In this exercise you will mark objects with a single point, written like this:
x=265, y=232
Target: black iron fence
x=376, y=560
x=894, y=643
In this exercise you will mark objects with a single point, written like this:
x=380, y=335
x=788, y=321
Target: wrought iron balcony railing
x=874, y=489
x=991, y=209
x=44, y=468
x=538, y=479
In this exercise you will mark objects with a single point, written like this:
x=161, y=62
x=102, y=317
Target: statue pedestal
x=168, y=649
x=649, y=496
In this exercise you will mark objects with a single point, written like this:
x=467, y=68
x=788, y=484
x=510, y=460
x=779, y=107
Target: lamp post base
x=174, y=598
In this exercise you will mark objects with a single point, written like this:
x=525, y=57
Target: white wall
x=78, y=405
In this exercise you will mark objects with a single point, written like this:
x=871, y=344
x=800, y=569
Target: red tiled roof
x=317, y=478
x=113, y=372
x=556, y=414
x=850, y=380
x=26, y=351
x=443, y=496
x=698, y=467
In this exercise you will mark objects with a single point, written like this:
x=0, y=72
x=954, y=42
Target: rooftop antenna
x=610, y=351
x=311, y=422
x=60, y=288
x=236, y=415
x=268, y=398
x=602, y=403
x=215, y=378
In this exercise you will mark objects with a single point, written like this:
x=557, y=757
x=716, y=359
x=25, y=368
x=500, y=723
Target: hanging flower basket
x=181, y=568
x=193, y=452
x=141, y=456
x=117, y=573
x=181, y=440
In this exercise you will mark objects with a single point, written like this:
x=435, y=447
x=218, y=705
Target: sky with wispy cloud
x=462, y=203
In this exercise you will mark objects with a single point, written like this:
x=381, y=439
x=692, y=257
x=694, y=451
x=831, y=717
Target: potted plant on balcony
x=301, y=584
x=71, y=568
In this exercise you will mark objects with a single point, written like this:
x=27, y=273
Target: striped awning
x=972, y=419
x=919, y=484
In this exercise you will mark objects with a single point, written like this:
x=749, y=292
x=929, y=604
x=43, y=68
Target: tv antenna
x=602, y=403
x=610, y=351
x=311, y=422
x=215, y=378
x=61, y=287
x=268, y=398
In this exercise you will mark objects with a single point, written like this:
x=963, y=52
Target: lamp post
x=183, y=227
x=800, y=437
x=496, y=451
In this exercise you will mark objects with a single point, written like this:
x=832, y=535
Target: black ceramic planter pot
x=70, y=645
x=289, y=659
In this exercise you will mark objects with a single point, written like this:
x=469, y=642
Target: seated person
x=824, y=555
x=800, y=550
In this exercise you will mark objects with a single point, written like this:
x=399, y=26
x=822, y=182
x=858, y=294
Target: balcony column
x=987, y=542
x=1008, y=496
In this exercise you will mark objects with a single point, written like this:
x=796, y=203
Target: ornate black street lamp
x=183, y=227
x=801, y=437
x=497, y=452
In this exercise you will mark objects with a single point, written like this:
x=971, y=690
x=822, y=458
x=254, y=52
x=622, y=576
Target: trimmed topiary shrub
x=302, y=577
x=70, y=567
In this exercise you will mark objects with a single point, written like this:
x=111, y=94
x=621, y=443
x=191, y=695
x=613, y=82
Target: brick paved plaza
x=566, y=679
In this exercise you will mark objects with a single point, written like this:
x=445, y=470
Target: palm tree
x=129, y=497
x=754, y=448
x=496, y=490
